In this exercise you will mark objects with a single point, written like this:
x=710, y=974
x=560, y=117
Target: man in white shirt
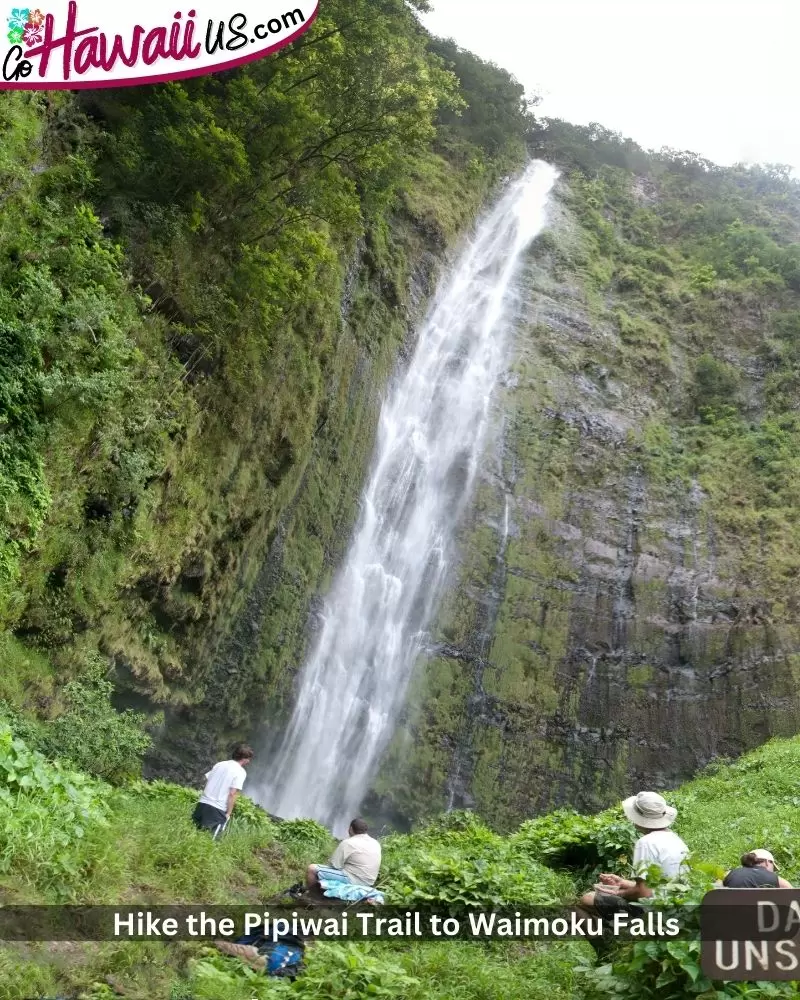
x=658, y=845
x=223, y=783
x=357, y=859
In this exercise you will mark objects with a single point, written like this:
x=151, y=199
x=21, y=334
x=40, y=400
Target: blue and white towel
x=335, y=884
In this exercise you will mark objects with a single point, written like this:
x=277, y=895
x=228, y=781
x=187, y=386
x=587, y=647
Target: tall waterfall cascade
x=431, y=434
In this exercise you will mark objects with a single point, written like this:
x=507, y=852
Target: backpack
x=283, y=957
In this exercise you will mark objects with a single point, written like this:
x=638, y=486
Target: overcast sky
x=720, y=79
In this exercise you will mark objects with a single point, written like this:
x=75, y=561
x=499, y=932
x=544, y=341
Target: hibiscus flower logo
x=16, y=24
x=19, y=17
x=33, y=34
x=25, y=25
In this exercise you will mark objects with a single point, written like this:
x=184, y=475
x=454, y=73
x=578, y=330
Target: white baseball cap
x=763, y=855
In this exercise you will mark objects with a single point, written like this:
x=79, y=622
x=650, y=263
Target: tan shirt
x=360, y=857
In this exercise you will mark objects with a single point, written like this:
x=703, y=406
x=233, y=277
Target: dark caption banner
x=746, y=934
x=194, y=923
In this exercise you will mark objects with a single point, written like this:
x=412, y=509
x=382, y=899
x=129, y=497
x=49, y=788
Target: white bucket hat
x=649, y=809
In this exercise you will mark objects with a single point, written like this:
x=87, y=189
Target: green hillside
x=629, y=567
x=71, y=838
x=205, y=288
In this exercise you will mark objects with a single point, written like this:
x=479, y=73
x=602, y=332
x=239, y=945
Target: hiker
x=757, y=871
x=223, y=783
x=658, y=845
x=357, y=859
x=268, y=951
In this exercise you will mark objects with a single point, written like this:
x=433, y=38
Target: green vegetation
x=709, y=258
x=203, y=288
x=69, y=837
x=459, y=862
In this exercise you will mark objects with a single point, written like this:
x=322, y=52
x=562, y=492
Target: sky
x=719, y=79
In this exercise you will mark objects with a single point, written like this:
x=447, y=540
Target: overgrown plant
x=584, y=844
x=46, y=810
x=460, y=864
x=92, y=735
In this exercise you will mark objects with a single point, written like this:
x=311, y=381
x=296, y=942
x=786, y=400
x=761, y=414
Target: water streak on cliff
x=432, y=429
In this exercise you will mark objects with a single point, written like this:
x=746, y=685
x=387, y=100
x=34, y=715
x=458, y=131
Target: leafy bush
x=304, y=836
x=44, y=810
x=715, y=383
x=333, y=972
x=656, y=969
x=93, y=736
x=465, y=867
x=456, y=821
x=352, y=971
x=178, y=795
x=668, y=970
x=585, y=844
x=703, y=278
x=216, y=978
x=22, y=978
x=25, y=728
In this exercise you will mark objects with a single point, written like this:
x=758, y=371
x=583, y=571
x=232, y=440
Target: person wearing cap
x=658, y=845
x=757, y=871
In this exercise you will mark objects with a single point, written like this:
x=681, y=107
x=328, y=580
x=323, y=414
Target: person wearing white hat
x=757, y=871
x=658, y=845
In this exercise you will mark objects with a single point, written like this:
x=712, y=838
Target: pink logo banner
x=74, y=44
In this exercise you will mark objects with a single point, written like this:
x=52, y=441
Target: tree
x=497, y=113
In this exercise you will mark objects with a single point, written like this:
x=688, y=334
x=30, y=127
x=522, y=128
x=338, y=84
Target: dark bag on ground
x=283, y=957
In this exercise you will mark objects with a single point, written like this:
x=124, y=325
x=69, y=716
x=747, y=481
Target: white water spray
x=431, y=433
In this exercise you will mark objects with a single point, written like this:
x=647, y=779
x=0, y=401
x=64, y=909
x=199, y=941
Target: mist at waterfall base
x=430, y=438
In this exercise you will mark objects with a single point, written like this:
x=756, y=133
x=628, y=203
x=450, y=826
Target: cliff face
x=206, y=286
x=612, y=624
x=247, y=664
x=184, y=467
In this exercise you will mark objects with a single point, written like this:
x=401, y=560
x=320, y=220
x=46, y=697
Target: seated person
x=357, y=859
x=658, y=845
x=757, y=871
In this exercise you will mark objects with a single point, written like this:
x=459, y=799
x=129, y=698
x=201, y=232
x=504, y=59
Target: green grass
x=142, y=848
x=720, y=819
x=26, y=674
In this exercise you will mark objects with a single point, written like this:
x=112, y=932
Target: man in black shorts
x=224, y=782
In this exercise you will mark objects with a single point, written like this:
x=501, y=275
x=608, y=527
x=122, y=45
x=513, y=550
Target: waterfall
x=430, y=436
